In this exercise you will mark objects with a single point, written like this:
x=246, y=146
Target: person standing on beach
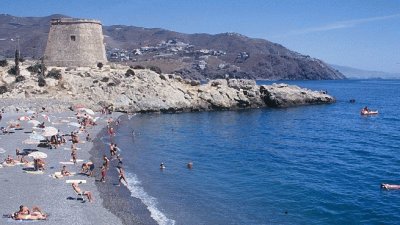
x=103, y=174
x=112, y=153
x=74, y=156
x=106, y=161
x=121, y=176
x=115, y=150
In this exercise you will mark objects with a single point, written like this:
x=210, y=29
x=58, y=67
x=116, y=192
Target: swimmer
x=190, y=165
x=162, y=166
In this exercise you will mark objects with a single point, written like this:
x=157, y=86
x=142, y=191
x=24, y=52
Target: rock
x=242, y=84
x=283, y=95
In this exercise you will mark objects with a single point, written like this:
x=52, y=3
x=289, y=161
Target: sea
x=318, y=164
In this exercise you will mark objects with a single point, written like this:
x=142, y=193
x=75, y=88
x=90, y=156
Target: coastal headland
x=143, y=90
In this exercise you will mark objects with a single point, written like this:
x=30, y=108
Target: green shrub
x=12, y=71
x=37, y=68
x=41, y=82
x=129, y=73
x=54, y=73
x=19, y=78
x=138, y=67
x=155, y=69
x=3, y=63
x=100, y=65
x=3, y=89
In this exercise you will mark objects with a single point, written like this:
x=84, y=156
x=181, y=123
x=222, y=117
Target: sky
x=363, y=34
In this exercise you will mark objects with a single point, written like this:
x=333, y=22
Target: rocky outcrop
x=147, y=91
x=283, y=95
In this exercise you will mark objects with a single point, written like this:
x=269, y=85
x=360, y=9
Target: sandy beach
x=54, y=196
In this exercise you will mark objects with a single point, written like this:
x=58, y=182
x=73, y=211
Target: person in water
x=162, y=166
x=365, y=110
x=121, y=176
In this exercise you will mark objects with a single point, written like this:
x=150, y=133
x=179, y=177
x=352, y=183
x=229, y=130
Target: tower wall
x=75, y=42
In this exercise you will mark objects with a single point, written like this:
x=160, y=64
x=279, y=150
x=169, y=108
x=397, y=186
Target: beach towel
x=67, y=163
x=34, y=172
x=6, y=164
x=78, y=160
x=75, y=181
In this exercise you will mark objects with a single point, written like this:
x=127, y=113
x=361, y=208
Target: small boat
x=366, y=113
x=390, y=186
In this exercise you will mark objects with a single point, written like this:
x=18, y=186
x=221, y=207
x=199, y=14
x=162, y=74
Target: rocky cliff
x=193, y=56
x=143, y=90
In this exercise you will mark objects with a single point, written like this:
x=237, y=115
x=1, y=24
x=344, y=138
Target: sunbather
x=78, y=190
x=25, y=214
x=9, y=160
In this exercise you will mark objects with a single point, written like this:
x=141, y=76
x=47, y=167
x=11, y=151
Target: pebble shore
x=54, y=196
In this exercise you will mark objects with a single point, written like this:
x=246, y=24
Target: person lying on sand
x=25, y=214
x=9, y=160
x=78, y=190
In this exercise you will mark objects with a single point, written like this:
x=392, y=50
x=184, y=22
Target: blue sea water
x=319, y=164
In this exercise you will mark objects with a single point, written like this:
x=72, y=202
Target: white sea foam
x=131, y=115
x=137, y=191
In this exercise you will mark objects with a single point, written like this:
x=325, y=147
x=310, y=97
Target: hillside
x=195, y=56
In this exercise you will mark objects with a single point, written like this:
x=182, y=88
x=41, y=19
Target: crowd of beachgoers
x=54, y=138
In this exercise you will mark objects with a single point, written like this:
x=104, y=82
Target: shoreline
x=117, y=200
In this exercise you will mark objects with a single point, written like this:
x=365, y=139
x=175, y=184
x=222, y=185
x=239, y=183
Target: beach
x=54, y=196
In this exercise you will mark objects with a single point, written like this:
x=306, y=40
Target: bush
x=129, y=73
x=3, y=63
x=37, y=68
x=105, y=79
x=19, y=78
x=3, y=89
x=12, y=71
x=100, y=65
x=155, y=69
x=41, y=82
x=54, y=73
x=139, y=67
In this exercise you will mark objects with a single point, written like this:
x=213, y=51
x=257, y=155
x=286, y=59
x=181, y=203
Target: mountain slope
x=197, y=56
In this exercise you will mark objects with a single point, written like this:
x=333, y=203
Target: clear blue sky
x=359, y=33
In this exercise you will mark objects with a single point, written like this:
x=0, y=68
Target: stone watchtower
x=75, y=42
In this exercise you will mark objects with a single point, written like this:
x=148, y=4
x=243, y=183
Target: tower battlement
x=66, y=21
